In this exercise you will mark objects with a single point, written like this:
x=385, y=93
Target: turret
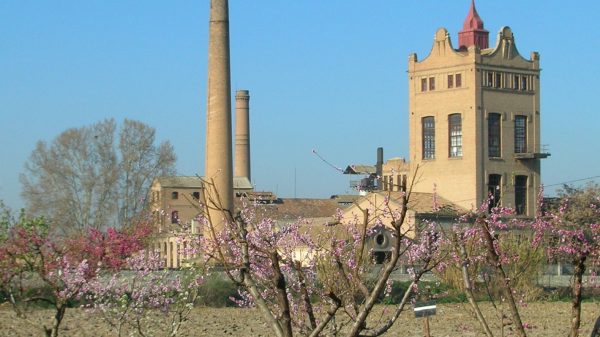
x=473, y=33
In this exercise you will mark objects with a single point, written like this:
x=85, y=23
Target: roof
x=239, y=183
x=472, y=21
x=421, y=203
x=180, y=181
x=342, y=199
x=292, y=209
x=360, y=169
x=242, y=183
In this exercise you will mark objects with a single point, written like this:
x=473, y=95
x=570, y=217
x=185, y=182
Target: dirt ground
x=545, y=320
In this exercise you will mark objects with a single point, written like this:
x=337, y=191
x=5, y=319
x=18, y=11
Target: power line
x=327, y=162
x=573, y=181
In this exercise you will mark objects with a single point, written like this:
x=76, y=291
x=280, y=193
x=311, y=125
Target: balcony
x=543, y=154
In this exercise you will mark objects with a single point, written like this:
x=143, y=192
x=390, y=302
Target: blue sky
x=325, y=75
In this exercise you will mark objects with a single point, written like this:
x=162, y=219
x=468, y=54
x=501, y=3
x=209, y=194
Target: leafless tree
x=84, y=179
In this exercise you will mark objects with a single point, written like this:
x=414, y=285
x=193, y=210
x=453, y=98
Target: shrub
x=216, y=291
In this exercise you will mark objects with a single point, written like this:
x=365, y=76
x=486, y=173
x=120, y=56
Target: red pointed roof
x=473, y=21
x=473, y=33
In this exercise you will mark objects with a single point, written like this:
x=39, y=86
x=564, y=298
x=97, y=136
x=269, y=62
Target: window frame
x=431, y=83
x=458, y=80
x=494, y=190
x=174, y=217
x=455, y=143
x=450, y=81
x=521, y=182
x=520, y=134
x=428, y=137
x=494, y=135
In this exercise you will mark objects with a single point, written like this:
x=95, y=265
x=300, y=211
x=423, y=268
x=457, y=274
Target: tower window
x=494, y=138
x=455, y=132
x=423, y=84
x=175, y=217
x=458, y=80
x=428, y=136
x=498, y=80
x=432, y=83
x=520, y=134
x=490, y=79
x=521, y=195
x=174, y=195
x=523, y=83
x=450, y=81
x=494, y=192
x=516, y=80
x=196, y=195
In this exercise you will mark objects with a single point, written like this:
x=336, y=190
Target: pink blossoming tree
x=302, y=282
x=129, y=298
x=574, y=227
x=35, y=269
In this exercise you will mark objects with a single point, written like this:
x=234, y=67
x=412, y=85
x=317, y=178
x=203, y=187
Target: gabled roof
x=239, y=183
x=360, y=169
x=180, y=181
x=419, y=202
x=292, y=209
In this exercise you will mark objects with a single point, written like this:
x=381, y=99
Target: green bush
x=216, y=292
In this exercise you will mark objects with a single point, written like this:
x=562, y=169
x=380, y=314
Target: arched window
x=175, y=217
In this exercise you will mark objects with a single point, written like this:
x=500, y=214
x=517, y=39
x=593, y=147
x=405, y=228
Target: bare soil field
x=546, y=319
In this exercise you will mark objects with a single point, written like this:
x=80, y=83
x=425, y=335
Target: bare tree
x=141, y=161
x=80, y=179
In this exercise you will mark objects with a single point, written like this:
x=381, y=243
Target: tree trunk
x=360, y=323
x=596, y=329
x=507, y=289
x=469, y=288
x=579, y=264
x=282, y=299
x=60, y=313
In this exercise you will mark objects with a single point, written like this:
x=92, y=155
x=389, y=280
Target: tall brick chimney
x=218, y=161
x=242, y=134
